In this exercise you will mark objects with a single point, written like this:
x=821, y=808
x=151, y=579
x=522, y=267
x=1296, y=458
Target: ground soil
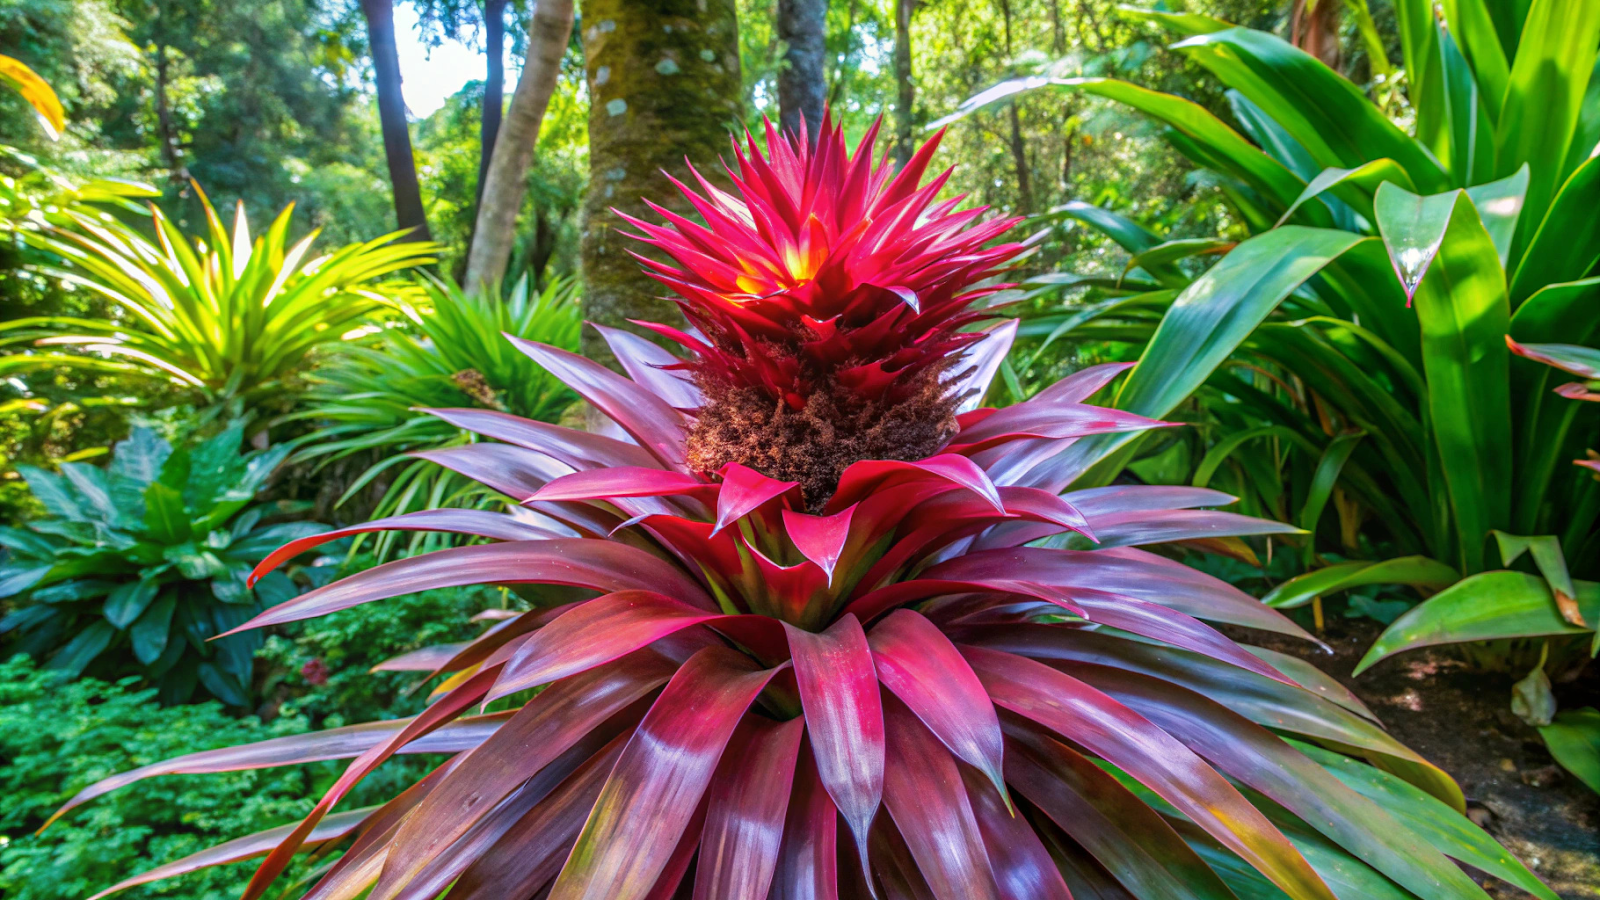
x=1459, y=718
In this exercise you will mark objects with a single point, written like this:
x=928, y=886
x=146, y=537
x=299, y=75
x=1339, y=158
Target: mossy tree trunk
x=663, y=85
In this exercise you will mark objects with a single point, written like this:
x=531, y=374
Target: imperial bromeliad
x=850, y=635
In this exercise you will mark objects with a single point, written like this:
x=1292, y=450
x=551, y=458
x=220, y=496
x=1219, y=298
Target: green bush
x=59, y=736
x=146, y=560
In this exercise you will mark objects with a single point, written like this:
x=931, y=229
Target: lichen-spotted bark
x=663, y=85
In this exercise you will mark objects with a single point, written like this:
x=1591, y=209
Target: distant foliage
x=57, y=736
x=141, y=564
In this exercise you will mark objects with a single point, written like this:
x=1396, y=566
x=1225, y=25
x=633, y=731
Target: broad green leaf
x=128, y=602
x=1321, y=109
x=193, y=562
x=164, y=515
x=1180, y=22
x=1545, y=94
x=149, y=634
x=1416, y=571
x=1223, y=148
x=140, y=456
x=1164, y=254
x=1273, y=140
x=1207, y=323
x=1440, y=249
x=1499, y=206
x=1573, y=738
x=92, y=487
x=1552, y=565
x=1573, y=359
x=1566, y=245
x=1323, y=481
x=1353, y=186
x=1586, y=135
x=14, y=579
x=1469, y=23
x=83, y=648
x=1487, y=606
x=1448, y=831
x=37, y=92
x=52, y=491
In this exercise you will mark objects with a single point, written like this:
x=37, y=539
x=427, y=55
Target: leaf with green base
x=1415, y=571
x=1449, y=832
x=1573, y=738
x=1353, y=186
x=1448, y=263
x=1484, y=607
x=1322, y=484
x=1552, y=564
x=1205, y=325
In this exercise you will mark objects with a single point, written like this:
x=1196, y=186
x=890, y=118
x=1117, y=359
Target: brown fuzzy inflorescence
x=814, y=445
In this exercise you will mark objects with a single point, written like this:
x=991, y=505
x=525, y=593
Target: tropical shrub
x=58, y=736
x=370, y=398
x=147, y=558
x=1054, y=719
x=228, y=316
x=1360, y=338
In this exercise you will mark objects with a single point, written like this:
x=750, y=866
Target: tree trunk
x=1019, y=148
x=1019, y=159
x=494, y=85
x=1317, y=32
x=392, y=119
x=664, y=85
x=802, y=84
x=905, y=90
x=495, y=229
x=170, y=156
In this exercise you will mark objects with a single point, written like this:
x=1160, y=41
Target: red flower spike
x=818, y=595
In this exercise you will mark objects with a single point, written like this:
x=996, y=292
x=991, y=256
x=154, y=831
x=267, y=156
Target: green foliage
x=226, y=315
x=58, y=736
x=368, y=397
x=1331, y=349
x=149, y=557
x=1354, y=352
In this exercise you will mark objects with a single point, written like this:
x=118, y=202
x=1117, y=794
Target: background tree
x=505, y=180
x=663, y=78
x=408, y=209
x=802, y=80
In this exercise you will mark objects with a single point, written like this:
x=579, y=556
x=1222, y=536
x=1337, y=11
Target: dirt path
x=1461, y=721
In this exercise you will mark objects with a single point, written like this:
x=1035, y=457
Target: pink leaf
x=821, y=539
x=745, y=812
x=925, y=795
x=844, y=717
x=744, y=490
x=657, y=784
x=919, y=665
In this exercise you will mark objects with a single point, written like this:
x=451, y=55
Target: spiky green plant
x=228, y=315
x=372, y=397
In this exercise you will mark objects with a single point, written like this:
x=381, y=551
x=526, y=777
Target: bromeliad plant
x=449, y=352
x=816, y=603
x=226, y=315
x=142, y=565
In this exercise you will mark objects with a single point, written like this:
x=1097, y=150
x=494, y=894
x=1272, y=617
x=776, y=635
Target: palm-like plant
x=869, y=640
x=1363, y=327
x=227, y=315
x=449, y=353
